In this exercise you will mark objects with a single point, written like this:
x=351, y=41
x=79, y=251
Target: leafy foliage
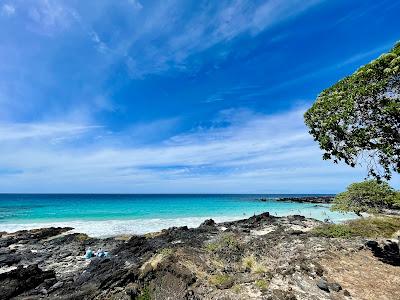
x=366, y=196
x=396, y=203
x=358, y=119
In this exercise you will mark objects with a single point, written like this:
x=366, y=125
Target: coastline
x=261, y=257
x=125, y=224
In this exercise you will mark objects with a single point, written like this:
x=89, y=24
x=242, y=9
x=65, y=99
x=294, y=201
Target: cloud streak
x=213, y=24
x=240, y=152
x=7, y=9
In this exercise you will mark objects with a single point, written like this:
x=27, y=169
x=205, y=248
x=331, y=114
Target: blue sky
x=176, y=96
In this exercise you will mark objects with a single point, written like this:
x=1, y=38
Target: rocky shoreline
x=309, y=199
x=263, y=257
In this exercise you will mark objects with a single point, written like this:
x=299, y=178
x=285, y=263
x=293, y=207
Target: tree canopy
x=366, y=196
x=357, y=120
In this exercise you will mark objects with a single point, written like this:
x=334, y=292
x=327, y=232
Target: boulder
x=22, y=279
x=334, y=286
x=9, y=259
x=207, y=223
x=322, y=283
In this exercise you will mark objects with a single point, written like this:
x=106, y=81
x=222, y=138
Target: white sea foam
x=107, y=228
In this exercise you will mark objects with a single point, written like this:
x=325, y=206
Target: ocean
x=102, y=215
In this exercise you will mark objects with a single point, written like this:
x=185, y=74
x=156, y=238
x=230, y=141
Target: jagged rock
x=288, y=262
x=9, y=259
x=132, y=290
x=387, y=252
x=371, y=244
x=316, y=199
x=323, y=284
x=336, y=287
x=208, y=222
x=22, y=279
x=346, y=293
x=56, y=286
x=6, y=241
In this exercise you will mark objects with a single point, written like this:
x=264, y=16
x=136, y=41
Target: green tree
x=367, y=196
x=397, y=200
x=357, y=120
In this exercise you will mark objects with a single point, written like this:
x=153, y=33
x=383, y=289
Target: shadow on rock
x=388, y=252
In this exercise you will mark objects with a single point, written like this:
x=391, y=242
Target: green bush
x=334, y=230
x=367, y=196
x=372, y=227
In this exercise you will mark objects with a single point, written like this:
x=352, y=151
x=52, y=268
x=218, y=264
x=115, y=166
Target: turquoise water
x=105, y=215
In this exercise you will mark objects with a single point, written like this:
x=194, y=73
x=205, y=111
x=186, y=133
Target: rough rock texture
x=263, y=257
x=22, y=279
x=313, y=199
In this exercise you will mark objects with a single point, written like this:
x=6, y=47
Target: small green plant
x=212, y=247
x=220, y=279
x=259, y=269
x=230, y=240
x=249, y=262
x=262, y=284
x=145, y=294
x=237, y=289
x=166, y=251
x=82, y=237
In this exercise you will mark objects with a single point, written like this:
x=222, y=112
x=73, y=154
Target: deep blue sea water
x=106, y=215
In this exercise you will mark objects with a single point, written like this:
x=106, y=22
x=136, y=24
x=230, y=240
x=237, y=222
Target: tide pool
x=108, y=215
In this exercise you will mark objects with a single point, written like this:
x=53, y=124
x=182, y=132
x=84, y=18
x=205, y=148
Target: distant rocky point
x=309, y=199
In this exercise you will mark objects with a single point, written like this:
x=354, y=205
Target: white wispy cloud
x=48, y=17
x=212, y=24
x=240, y=152
x=7, y=9
x=136, y=5
x=160, y=36
x=23, y=131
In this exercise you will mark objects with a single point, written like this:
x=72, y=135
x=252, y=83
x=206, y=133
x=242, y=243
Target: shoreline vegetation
x=262, y=257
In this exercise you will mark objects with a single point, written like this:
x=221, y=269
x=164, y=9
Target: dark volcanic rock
x=6, y=241
x=334, y=286
x=9, y=259
x=388, y=252
x=259, y=219
x=22, y=279
x=278, y=253
x=32, y=236
x=314, y=199
x=207, y=223
x=323, y=284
